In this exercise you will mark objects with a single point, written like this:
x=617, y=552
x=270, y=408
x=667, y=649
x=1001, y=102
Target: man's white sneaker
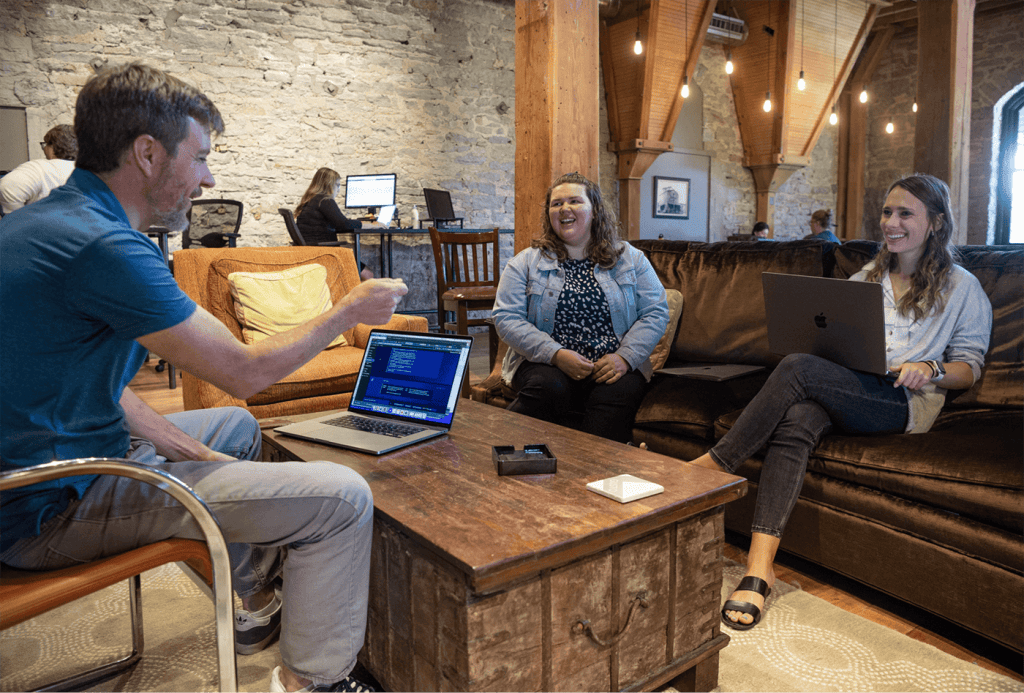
x=348, y=684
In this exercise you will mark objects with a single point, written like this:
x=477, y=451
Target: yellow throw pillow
x=675, y=308
x=267, y=303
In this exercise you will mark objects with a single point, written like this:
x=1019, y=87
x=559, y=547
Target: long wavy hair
x=604, y=247
x=930, y=279
x=323, y=184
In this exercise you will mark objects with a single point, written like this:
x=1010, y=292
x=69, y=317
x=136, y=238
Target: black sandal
x=747, y=584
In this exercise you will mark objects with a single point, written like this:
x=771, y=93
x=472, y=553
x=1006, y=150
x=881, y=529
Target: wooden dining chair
x=467, y=264
x=25, y=594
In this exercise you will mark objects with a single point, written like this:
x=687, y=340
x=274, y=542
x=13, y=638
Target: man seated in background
x=84, y=297
x=33, y=180
x=760, y=230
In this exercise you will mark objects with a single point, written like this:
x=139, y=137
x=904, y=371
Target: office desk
x=386, y=237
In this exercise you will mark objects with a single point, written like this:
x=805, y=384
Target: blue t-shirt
x=826, y=235
x=78, y=285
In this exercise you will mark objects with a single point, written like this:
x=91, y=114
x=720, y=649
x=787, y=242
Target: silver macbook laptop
x=406, y=392
x=836, y=319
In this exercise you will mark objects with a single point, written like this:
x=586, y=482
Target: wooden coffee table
x=534, y=583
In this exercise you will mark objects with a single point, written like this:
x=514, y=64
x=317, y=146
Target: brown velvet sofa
x=934, y=519
x=326, y=382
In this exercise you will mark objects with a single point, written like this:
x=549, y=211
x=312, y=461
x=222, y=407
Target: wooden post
x=942, y=137
x=557, y=102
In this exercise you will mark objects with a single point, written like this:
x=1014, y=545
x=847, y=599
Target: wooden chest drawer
x=565, y=628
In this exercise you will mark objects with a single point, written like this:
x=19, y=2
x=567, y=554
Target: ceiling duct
x=728, y=30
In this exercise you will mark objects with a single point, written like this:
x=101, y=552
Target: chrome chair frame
x=215, y=542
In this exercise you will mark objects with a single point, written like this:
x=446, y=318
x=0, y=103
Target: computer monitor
x=371, y=191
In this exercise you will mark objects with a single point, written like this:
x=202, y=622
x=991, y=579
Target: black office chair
x=293, y=229
x=439, y=209
x=213, y=224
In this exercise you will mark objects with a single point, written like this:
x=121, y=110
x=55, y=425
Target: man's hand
x=572, y=364
x=373, y=302
x=610, y=368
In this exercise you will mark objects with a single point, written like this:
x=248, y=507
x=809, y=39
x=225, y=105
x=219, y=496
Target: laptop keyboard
x=384, y=428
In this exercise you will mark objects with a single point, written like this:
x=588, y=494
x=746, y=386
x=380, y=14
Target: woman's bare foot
x=707, y=461
x=751, y=598
x=761, y=565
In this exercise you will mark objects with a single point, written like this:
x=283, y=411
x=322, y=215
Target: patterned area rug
x=803, y=644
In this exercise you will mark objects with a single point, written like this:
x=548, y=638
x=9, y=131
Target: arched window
x=1009, y=226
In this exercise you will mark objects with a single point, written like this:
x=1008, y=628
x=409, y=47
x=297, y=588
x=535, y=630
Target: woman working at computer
x=581, y=312
x=938, y=323
x=318, y=216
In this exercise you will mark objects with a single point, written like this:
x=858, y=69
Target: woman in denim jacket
x=581, y=312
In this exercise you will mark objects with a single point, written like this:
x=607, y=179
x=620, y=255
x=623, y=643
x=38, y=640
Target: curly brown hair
x=604, y=247
x=119, y=104
x=931, y=277
x=322, y=185
x=62, y=139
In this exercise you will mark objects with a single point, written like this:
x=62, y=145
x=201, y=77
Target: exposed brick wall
x=998, y=68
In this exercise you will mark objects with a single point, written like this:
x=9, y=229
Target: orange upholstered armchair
x=326, y=382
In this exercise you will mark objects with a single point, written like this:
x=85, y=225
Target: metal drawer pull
x=584, y=625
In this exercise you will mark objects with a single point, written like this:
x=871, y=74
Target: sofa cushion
x=221, y=304
x=689, y=407
x=723, y=317
x=675, y=307
x=969, y=463
x=331, y=372
x=267, y=303
x=850, y=257
x=1000, y=270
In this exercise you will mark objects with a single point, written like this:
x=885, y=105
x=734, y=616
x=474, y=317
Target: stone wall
x=998, y=68
x=733, y=195
x=421, y=88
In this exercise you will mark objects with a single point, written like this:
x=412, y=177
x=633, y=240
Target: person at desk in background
x=821, y=226
x=760, y=230
x=318, y=216
x=33, y=180
x=581, y=312
x=938, y=322
x=84, y=297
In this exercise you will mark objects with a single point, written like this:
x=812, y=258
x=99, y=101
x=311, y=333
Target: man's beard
x=176, y=220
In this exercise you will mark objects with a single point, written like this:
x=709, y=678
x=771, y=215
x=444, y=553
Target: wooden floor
x=153, y=388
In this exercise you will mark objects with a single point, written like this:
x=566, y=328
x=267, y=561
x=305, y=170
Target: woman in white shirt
x=938, y=323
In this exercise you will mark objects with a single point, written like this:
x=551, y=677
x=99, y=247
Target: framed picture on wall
x=671, y=198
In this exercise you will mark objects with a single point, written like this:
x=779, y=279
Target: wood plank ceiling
x=821, y=37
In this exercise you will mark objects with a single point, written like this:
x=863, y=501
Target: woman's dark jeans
x=802, y=400
x=545, y=392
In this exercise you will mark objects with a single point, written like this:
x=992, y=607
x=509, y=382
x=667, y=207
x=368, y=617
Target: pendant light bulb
x=801, y=83
x=728, y=63
x=638, y=46
x=915, y=107
x=767, y=102
x=863, y=95
x=889, y=128
x=685, y=91
x=833, y=119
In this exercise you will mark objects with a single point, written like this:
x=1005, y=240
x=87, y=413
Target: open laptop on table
x=406, y=392
x=836, y=319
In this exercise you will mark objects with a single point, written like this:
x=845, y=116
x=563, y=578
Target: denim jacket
x=527, y=298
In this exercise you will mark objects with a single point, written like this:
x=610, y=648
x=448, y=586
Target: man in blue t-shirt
x=84, y=295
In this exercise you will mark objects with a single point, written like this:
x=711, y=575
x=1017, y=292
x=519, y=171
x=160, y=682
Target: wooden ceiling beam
x=844, y=73
x=688, y=68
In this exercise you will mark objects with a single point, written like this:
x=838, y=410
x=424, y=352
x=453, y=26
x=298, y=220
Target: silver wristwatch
x=938, y=370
